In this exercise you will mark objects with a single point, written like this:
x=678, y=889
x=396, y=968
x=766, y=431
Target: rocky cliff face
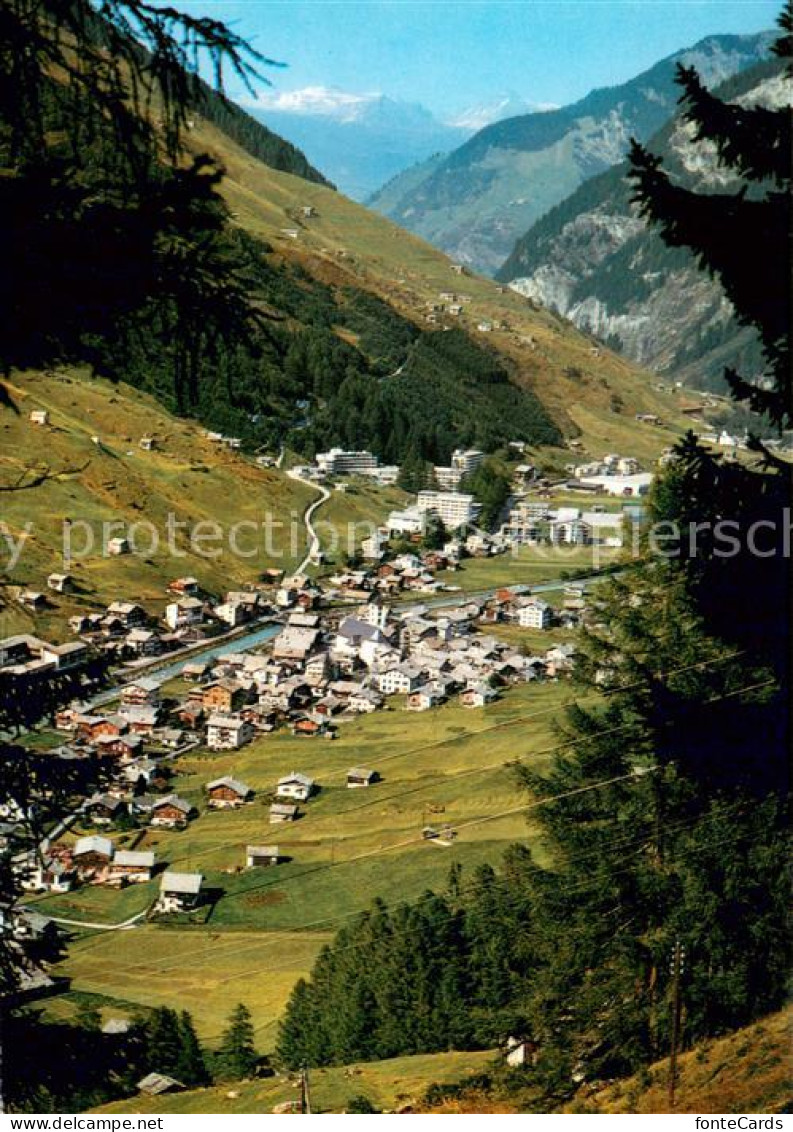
x=594, y=260
x=480, y=198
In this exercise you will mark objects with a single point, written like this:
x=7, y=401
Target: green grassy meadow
x=262, y=928
x=530, y=565
x=388, y=1085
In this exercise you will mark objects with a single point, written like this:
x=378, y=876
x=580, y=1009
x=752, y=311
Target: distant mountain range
x=361, y=141
x=594, y=260
x=358, y=141
x=478, y=200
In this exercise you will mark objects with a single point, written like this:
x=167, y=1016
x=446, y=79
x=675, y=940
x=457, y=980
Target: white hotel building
x=452, y=508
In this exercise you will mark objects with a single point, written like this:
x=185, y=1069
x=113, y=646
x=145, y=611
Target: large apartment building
x=463, y=462
x=454, y=509
x=339, y=462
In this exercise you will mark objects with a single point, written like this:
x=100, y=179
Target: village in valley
x=167, y=705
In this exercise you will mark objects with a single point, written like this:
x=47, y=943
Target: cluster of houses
x=127, y=632
x=611, y=475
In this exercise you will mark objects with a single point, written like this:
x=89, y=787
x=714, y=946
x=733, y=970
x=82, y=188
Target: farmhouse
x=134, y=867
x=61, y=583
x=170, y=812
x=422, y=699
x=227, y=793
x=310, y=725
x=477, y=696
x=228, y=732
x=118, y=546
x=103, y=809
x=145, y=690
x=222, y=696
x=91, y=727
x=281, y=812
x=179, y=891
x=359, y=776
x=257, y=856
x=142, y=719
x=39, y=417
x=91, y=854
x=296, y=786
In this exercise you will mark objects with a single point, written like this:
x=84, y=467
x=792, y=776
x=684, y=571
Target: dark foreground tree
x=742, y=237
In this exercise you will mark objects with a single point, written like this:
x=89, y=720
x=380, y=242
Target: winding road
x=308, y=517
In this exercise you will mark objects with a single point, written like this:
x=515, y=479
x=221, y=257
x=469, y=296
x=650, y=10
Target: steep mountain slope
x=489, y=191
x=351, y=250
x=594, y=260
x=359, y=142
x=747, y=1071
x=86, y=464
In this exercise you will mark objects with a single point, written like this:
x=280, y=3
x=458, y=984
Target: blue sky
x=450, y=54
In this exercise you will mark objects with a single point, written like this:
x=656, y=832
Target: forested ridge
x=126, y=244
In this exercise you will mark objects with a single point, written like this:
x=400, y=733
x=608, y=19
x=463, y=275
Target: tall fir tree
x=237, y=1054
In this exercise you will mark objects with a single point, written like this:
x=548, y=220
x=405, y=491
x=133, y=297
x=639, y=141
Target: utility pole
x=676, y=968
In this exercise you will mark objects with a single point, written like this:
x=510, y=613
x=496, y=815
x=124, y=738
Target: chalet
x=84, y=622
x=91, y=727
x=53, y=876
x=171, y=737
x=227, y=793
x=222, y=696
x=61, y=583
x=143, y=642
x=359, y=776
x=191, y=715
x=310, y=725
x=170, y=812
x=142, y=719
x=422, y=699
x=195, y=671
x=147, y=443
x=103, y=809
x=92, y=855
x=328, y=706
x=179, y=891
x=183, y=613
x=188, y=586
x=477, y=696
x=133, y=866
x=32, y=599
x=535, y=615
x=116, y=546
x=258, y=856
x=281, y=812
x=39, y=417
x=145, y=690
x=297, y=786
x=138, y=769
x=559, y=660
x=129, y=613
x=365, y=701
x=227, y=732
